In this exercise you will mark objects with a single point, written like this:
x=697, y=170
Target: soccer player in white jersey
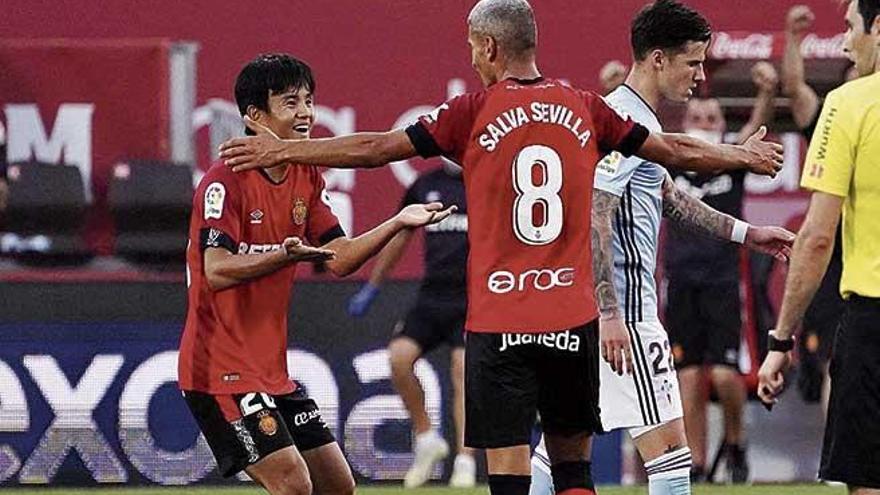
x=669, y=43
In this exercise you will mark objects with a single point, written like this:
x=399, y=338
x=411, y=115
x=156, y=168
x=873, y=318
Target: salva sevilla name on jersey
x=537, y=112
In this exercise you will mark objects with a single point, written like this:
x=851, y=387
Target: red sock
x=576, y=491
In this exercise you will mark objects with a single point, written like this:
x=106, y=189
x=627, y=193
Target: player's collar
x=526, y=82
x=647, y=105
x=272, y=181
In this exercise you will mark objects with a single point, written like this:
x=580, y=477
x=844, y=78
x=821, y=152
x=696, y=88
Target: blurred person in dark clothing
x=703, y=301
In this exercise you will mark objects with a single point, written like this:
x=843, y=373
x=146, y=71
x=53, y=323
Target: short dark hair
x=869, y=10
x=667, y=25
x=267, y=74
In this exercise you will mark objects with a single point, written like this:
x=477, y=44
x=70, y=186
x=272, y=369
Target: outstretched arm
x=692, y=214
x=689, y=153
x=351, y=254
x=359, y=150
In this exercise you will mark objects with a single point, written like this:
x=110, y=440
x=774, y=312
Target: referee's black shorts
x=851, y=450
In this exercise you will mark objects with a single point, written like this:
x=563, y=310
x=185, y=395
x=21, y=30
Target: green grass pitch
x=810, y=489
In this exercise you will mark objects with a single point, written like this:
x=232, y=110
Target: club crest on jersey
x=300, y=210
x=257, y=216
x=267, y=424
x=215, y=194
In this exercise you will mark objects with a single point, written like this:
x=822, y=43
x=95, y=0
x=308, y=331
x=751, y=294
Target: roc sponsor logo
x=541, y=279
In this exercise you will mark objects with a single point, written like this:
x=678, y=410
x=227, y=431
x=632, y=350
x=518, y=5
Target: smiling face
x=291, y=113
x=679, y=72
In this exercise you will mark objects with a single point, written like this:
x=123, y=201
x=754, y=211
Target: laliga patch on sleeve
x=215, y=194
x=609, y=165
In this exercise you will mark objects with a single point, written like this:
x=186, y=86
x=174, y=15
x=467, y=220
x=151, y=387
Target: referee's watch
x=779, y=345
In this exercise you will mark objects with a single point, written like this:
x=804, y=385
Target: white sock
x=427, y=436
x=542, y=480
x=670, y=474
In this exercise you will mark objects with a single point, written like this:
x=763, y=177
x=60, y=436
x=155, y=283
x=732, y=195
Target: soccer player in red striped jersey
x=528, y=146
x=247, y=233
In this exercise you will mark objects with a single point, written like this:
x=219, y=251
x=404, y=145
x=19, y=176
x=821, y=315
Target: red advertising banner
x=378, y=65
x=87, y=103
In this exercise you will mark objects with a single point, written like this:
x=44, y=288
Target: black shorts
x=704, y=324
x=241, y=429
x=851, y=450
x=432, y=322
x=510, y=377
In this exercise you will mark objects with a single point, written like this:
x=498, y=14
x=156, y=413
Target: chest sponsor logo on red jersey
x=245, y=248
x=537, y=112
x=256, y=216
x=540, y=279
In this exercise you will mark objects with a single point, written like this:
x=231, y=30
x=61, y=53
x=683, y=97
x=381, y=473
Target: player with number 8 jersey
x=529, y=151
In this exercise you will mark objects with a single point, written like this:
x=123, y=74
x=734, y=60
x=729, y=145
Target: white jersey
x=639, y=184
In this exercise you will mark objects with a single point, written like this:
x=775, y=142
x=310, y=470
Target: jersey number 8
x=542, y=197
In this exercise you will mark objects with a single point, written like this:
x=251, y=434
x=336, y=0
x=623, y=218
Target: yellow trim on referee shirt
x=844, y=160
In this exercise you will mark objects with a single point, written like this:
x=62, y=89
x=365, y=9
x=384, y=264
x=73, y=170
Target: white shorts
x=648, y=396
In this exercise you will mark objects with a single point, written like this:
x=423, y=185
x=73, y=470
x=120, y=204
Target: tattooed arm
x=604, y=206
x=613, y=335
x=696, y=216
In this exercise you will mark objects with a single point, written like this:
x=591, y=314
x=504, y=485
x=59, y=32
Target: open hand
x=297, y=251
x=615, y=344
x=774, y=241
x=765, y=156
x=420, y=215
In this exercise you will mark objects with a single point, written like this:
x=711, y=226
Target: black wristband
x=774, y=344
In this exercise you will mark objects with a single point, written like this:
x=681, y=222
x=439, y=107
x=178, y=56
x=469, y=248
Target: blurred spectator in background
x=823, y=314
x=612, y=75
x=437, y=317
x=703, y=301
x=4, y=185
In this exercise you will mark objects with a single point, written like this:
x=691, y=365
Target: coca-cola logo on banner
x=759, y=46
x=742, y=45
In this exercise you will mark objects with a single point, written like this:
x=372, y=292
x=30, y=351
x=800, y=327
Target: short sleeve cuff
x=422, y=141
x=634, y=140
x=824, y=187
x=331, y=234
x=210, y=237
x=609, y=188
